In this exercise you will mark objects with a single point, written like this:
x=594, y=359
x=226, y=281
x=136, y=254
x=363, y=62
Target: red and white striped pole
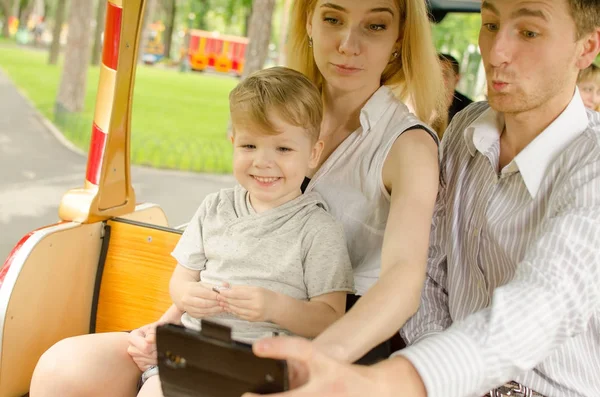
x=107, y=191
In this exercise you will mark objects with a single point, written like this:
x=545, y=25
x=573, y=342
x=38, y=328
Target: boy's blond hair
x=286, y=92
x=591, y=73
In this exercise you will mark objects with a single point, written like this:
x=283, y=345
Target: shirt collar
x=534, y=160
x=375, y=107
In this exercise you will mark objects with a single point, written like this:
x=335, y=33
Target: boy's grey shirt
x=297, y=249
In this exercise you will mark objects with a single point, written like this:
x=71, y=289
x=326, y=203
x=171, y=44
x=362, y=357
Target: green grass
x=179, y=120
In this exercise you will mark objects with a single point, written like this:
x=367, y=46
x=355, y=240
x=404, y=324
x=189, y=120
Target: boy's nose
x=263, y=159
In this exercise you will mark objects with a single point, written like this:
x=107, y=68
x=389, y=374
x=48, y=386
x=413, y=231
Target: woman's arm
x=411, y=175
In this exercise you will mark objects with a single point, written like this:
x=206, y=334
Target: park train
x=106, y=264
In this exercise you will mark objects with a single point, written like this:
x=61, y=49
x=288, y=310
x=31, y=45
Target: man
x=513, y=287
x=451, y=72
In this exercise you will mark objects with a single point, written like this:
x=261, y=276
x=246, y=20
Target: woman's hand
x=248, y=303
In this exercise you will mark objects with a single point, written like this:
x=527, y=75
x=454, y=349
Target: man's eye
x=492, y=27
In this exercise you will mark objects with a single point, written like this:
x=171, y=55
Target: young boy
x=589, y=87
x=276, y=259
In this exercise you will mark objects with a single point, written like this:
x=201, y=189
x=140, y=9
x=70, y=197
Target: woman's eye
x=377, y=27
x=331, y=20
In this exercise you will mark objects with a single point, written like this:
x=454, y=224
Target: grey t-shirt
x=297, y=249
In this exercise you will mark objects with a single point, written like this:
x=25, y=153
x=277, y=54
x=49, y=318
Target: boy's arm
x=180, y=283
x=308, y=318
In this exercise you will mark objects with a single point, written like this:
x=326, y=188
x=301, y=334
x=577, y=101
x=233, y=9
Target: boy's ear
x=231, y=138
x=316, y=154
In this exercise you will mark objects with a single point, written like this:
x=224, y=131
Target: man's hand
x=314, y=374
x=199, y=300
x=248, y=303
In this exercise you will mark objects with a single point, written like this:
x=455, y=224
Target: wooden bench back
x=132, y=288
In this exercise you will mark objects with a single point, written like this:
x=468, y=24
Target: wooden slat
x=135, y=280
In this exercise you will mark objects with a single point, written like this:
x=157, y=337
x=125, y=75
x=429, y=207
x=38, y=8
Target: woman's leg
x=87, y=365
x=151, y=388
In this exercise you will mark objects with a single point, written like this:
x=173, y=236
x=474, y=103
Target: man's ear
x=590, y=49
x=315, y=154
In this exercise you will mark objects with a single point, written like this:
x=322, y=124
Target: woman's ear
x=309, y=24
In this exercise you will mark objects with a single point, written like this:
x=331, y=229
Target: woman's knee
x=87, y=365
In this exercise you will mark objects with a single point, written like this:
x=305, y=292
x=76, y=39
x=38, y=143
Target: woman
x=378, y=172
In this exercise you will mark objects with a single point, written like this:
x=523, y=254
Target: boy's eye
x=529, y=34
x=248, y=146
x=284, y=149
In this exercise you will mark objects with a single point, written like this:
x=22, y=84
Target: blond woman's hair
x=415, y=77
x=591, y=73
x=283, y=91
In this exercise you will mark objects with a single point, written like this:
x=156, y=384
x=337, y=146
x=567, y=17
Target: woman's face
x=354, y=40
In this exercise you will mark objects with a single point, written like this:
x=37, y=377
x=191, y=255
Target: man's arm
x=550, y=300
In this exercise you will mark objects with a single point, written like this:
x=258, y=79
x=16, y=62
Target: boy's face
x=272, y=167
x=590, y=93
x=530, y=52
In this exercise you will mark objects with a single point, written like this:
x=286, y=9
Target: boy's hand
x=248, y=303
x=142, y=346
x=200, y=300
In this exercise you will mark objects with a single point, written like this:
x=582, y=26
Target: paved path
x=36, y=170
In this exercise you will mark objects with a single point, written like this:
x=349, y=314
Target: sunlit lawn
x=179, y=119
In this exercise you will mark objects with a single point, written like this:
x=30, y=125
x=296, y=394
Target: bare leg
x=87, y=365
x=151, y=388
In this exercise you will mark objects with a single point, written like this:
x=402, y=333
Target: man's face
x=530, y=52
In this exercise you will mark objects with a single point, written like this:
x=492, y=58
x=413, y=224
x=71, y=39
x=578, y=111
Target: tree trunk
x=100, y=20
x=285, y=19
x=5, y=5
x=71, y=93
x=259, y=35
x=59, y=18
x=171, y=8
x=148, y=19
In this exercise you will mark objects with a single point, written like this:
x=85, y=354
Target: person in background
x=589, y=87
x=451, y=71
